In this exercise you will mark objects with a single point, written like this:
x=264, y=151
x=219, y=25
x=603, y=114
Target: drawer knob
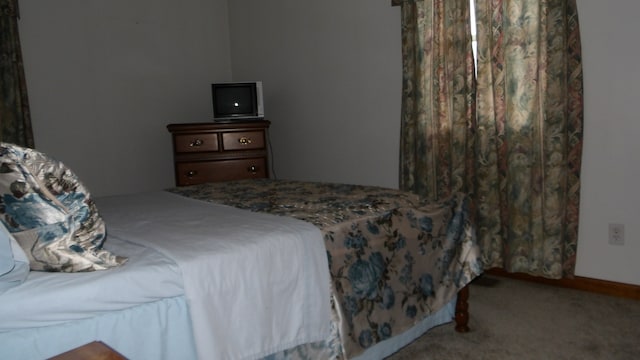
x=253, y=169
x=244, y=140
x=191, y=173
x=196, y=142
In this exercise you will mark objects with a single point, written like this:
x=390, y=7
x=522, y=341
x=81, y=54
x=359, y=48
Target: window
x=474, y=38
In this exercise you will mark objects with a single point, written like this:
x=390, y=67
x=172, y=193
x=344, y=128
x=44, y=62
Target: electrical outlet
x=616, y=234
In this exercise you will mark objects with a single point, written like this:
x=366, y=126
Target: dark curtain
x=438, y=98
x=15, y=119
x=512, y=137
x=529, y=135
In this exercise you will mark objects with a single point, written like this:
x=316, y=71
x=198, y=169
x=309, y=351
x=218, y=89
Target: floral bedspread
x=393, y=258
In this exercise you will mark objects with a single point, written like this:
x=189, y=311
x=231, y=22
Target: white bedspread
x=52, y=298
x=255, y=283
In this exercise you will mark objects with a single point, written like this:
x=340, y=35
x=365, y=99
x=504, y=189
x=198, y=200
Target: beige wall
x=105, y=77
x=332, y=76
x=611, y=154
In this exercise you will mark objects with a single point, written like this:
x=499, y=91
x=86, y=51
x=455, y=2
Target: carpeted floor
x=514, y=319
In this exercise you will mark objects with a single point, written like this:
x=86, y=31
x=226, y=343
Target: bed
x=251, y=269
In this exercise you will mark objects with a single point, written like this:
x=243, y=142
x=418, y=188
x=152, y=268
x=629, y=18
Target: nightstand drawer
x=243, y=140
x=191, y=173
x=210, y=152
x=196, y=142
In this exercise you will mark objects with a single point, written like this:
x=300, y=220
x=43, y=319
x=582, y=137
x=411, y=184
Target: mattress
x=208, y=280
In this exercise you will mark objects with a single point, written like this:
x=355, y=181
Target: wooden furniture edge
x=579, y=283
x=95, y=350
x=462, y=310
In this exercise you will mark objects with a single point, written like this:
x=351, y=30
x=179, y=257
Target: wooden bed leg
x=462, y=310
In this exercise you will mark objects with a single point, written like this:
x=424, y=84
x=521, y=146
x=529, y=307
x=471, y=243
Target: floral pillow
x=50, y=213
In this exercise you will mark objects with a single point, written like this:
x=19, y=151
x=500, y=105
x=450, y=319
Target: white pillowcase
x=14, y=265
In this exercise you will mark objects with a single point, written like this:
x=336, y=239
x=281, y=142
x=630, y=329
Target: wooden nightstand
x=92, y=351
x=209, y=152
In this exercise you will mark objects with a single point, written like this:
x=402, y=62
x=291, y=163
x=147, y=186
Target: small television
x=237, y=101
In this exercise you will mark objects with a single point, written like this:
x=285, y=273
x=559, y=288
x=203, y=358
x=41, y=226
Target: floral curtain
x=437, y=143
x=15, y=118
x=520, y=156
x=529, y=135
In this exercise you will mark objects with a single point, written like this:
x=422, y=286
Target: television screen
x=236, y=100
